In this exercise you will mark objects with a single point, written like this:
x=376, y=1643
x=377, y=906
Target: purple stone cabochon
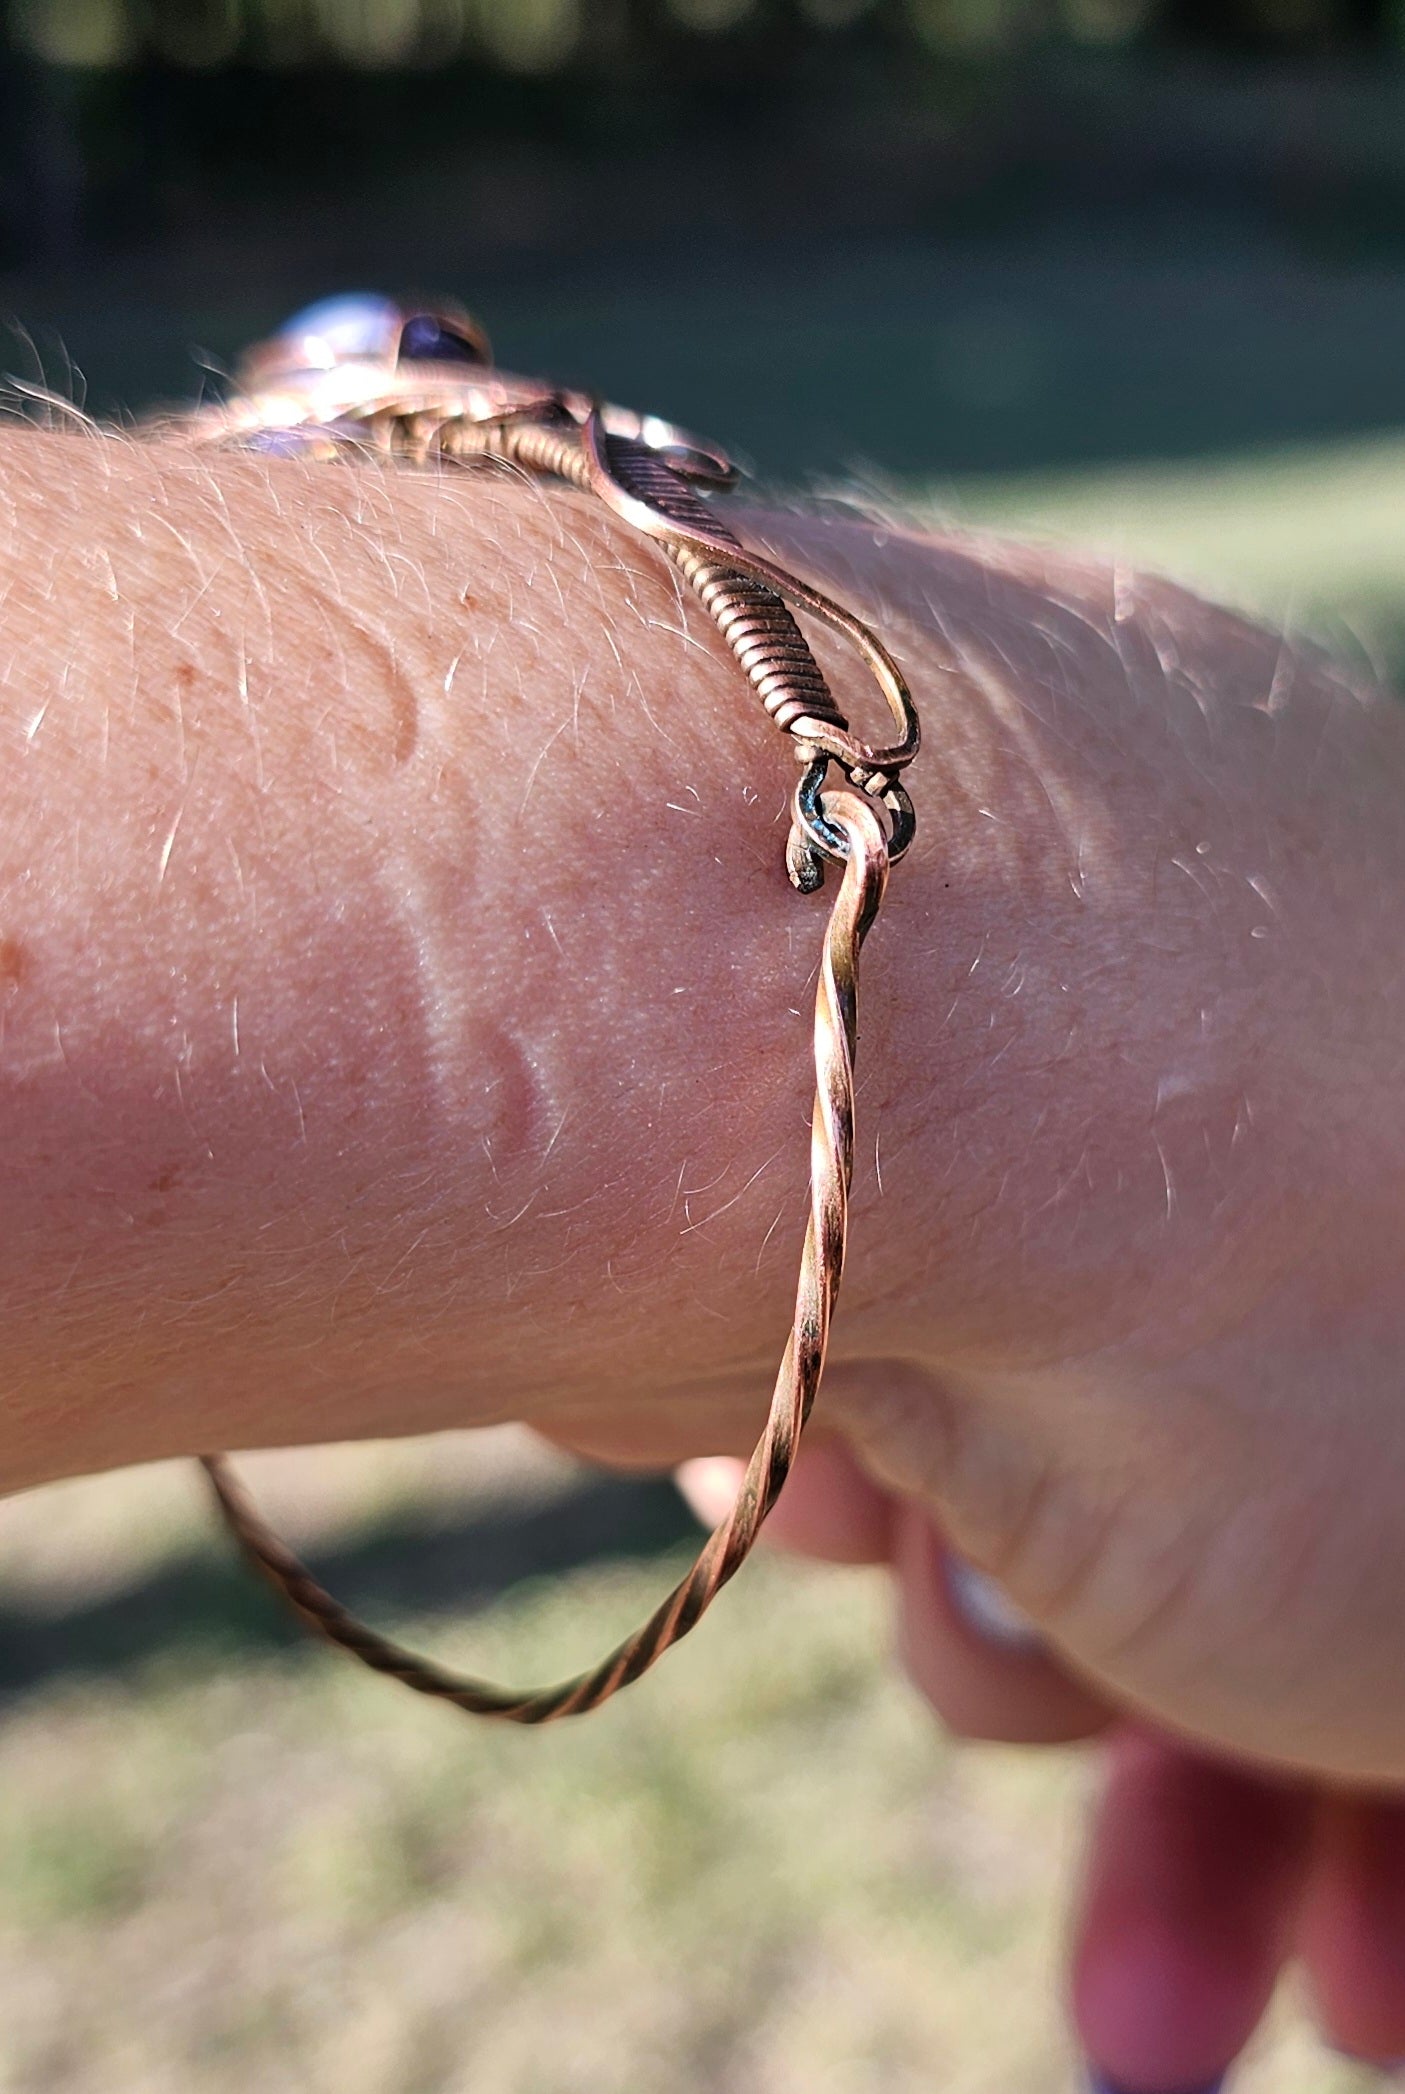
x=427, y=340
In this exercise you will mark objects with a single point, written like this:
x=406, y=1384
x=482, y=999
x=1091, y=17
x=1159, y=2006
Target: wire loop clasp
x=816, y=838
x=753, y=601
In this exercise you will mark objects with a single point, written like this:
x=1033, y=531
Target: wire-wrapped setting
x=353, y=376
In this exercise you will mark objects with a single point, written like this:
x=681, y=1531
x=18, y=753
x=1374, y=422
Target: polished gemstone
x=425, y=339
x=357, y=323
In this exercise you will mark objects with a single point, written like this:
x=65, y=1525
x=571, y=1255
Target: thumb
x=984, y=1669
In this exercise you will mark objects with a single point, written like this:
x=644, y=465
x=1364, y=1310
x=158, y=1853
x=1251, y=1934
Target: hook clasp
x=815, y=840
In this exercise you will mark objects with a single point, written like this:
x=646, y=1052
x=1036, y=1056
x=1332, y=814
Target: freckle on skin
x=14, y=965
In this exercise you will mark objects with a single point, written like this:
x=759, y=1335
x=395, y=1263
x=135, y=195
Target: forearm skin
x=351, y=828
x=406, y=1015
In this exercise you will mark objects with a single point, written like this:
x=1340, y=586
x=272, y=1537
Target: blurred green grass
x=228, y=1861
x=1309, y=536
x=225, y=1867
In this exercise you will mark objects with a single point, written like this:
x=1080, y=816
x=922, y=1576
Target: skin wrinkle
x=1279, y=1575
x=542, y=1052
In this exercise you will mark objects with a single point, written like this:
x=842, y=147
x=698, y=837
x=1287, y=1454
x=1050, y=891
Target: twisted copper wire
x=821, y=1266
x=645, y=472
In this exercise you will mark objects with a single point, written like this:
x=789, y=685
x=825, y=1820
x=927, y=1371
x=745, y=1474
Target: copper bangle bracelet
x=359, y=376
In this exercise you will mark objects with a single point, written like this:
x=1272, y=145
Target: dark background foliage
x=910, y=236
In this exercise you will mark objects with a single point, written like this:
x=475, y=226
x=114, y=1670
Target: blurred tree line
x=545, y=35
x=117, y=114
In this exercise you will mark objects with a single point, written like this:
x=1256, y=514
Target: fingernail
x=983, y=1607
x=1098, y=2085
x=709, y=1486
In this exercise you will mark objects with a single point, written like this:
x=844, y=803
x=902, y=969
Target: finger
x=828, y=1508
x=1191, y=1893
x=1353, y=1927
x=984, y=1680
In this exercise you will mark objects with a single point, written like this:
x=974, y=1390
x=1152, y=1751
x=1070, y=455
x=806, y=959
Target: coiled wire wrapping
x=753, y=619
x=743, y=595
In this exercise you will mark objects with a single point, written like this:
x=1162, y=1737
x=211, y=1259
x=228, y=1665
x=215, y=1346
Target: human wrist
x=437, y=776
